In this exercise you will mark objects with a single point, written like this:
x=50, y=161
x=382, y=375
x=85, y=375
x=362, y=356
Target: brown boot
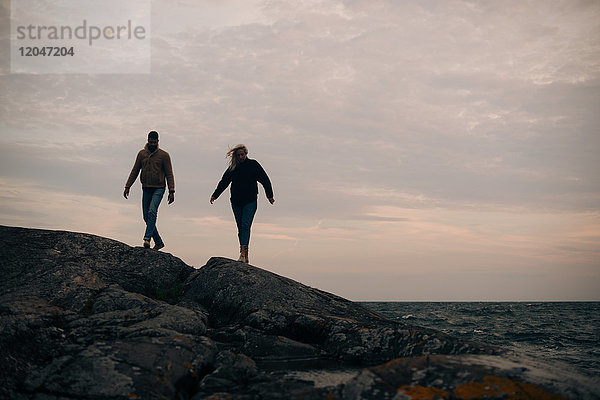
x=243, y=254
x=241, y=258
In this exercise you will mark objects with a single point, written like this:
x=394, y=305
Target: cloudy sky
x=419, y=150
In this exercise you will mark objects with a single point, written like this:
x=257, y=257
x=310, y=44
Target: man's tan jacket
x=156, y=168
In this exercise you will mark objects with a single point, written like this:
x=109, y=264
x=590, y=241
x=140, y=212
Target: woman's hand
x=271, y=200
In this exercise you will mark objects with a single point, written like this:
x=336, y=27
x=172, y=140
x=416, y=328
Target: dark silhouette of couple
x=242, y=173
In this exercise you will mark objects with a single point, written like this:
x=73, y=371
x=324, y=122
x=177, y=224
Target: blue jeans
x=243, y=218
x=151, y=199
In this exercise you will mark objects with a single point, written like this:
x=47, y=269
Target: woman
x=243, y=173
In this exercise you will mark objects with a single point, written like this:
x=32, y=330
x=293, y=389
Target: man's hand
x=171, y=197
x=126, y=192
x=271, y=200
x=212, y=199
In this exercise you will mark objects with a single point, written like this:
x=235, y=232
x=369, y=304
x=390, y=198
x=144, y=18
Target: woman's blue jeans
x=243, y=218
x=151, y=199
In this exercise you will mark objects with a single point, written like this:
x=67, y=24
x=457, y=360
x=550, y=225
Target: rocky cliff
x=85, y=317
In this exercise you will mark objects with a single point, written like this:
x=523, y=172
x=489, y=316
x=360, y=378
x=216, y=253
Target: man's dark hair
x=153, y=135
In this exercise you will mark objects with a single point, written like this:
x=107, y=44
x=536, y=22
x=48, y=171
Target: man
x=155, y=165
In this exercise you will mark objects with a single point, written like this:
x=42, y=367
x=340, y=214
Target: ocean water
x=565, y=332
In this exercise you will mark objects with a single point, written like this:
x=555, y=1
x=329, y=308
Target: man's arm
x=168, y=168
x=137, y=165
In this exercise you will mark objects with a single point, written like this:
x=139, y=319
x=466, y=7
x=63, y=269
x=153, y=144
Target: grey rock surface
x=85, y=317
x=89, y=317
x=303, y=322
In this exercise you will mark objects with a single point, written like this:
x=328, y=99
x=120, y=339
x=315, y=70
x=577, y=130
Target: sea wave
x=551, y=331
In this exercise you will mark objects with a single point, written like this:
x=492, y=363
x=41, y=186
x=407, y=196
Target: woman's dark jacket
x=243, y=180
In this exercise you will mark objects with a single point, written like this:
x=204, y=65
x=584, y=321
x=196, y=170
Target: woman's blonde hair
x=233, y=162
